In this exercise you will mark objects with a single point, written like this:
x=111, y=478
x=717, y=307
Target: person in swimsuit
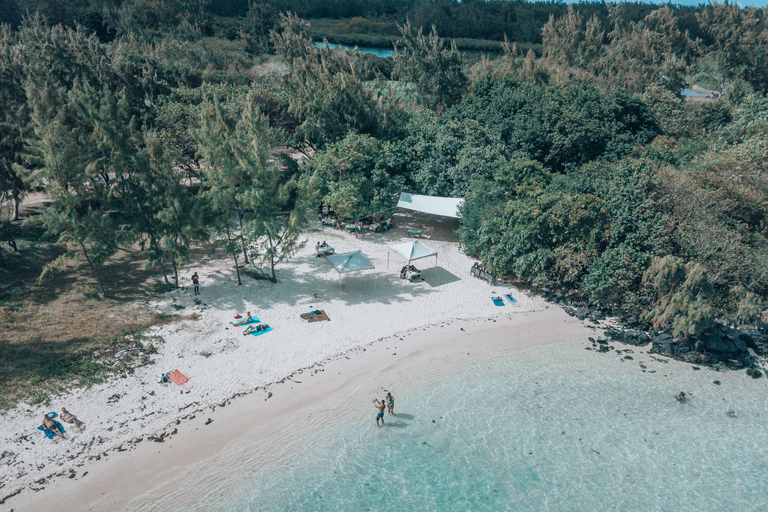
x=681, y=397
x=246, y=320
x=51, y=426
x=255, y=328
x=380, y=406
x=390, y=403
x=68, y=417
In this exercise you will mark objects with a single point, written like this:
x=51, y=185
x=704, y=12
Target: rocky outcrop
x=720, y=344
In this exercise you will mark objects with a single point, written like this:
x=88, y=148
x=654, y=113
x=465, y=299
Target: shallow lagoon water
x=547, y=428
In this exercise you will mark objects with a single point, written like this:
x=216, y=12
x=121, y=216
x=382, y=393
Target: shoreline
x=221, y=363
x=207, y=438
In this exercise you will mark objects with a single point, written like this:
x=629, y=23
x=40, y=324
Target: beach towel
x=178, y=377
x=258, y=333
x=497, y=301
x=48, y=433
x=315, y=316
x=254, y=320
x=510, y=298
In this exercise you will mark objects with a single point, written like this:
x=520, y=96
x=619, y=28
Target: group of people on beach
x=388, y=402
x=253, y=328
x=50, y=425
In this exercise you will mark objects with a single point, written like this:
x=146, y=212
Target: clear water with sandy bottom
x=550, y=428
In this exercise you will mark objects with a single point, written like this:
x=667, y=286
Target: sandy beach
x=368, y=310
x=259, y=406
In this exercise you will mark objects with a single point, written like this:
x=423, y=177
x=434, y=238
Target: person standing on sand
x=390, y=403
x=196, y=283
x=380, y=406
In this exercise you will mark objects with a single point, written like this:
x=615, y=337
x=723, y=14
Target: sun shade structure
x=349, y=262
x=443, y=206
x=412, y=251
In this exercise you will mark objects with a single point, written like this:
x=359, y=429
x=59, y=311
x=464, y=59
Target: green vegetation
x=151, y=128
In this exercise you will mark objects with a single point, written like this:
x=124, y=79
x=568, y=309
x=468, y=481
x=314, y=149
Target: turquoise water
x=539, y=430
x=378, y=51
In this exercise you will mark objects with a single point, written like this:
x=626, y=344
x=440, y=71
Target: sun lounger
x=510, y=298
x=48, y=433
x=178, y=377
x=497, y=301
x=258, y=333
x=315, y=316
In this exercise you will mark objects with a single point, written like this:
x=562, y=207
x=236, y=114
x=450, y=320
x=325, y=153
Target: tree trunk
x=93, y=267
x=242, y=238
x=175, y=272
x=272, y=258
x=234, y=255
x=165, y=276
x=16, y=202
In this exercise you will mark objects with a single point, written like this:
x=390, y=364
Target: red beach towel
x=178, y=377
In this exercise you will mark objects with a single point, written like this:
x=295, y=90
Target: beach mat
x=315, y=317
x=48, y=433
x=510, y=298
x=261, y=332
x=497, y=301
x=177, y=377
x=254, y=320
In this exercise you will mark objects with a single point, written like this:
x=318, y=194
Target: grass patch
x=58, y=333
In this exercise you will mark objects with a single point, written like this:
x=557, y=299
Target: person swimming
x=681, y=397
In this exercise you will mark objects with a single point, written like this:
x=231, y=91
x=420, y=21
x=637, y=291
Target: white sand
x=222, y=363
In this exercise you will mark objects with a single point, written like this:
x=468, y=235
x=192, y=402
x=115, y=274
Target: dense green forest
x=166, y=124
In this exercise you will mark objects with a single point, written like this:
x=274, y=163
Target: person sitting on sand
x=403, y=271
x=681, y=397
x=51, y=426
x=324, y=244
x=247, y=319
x=68, y=417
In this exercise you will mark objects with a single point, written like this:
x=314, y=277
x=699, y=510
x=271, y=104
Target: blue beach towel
x=496, y=301
x=48, y=433
x=510, y=298
x=261, y=332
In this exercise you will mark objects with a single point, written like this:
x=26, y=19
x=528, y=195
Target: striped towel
x=178, y=377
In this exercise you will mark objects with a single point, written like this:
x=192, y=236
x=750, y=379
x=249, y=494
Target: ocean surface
x=550, y=428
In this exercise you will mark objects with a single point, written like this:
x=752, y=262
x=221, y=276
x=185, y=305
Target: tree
x=14, y=122
x=683, y=295
x=436, y=70
x=326, y=91
x=741, y=42
x=80, y=214
x=261, y=19
x=270, y=202
x=360, y=175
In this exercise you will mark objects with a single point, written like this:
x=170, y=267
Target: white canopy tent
x=349, y=262
x=443, y=206
x=412, y=251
